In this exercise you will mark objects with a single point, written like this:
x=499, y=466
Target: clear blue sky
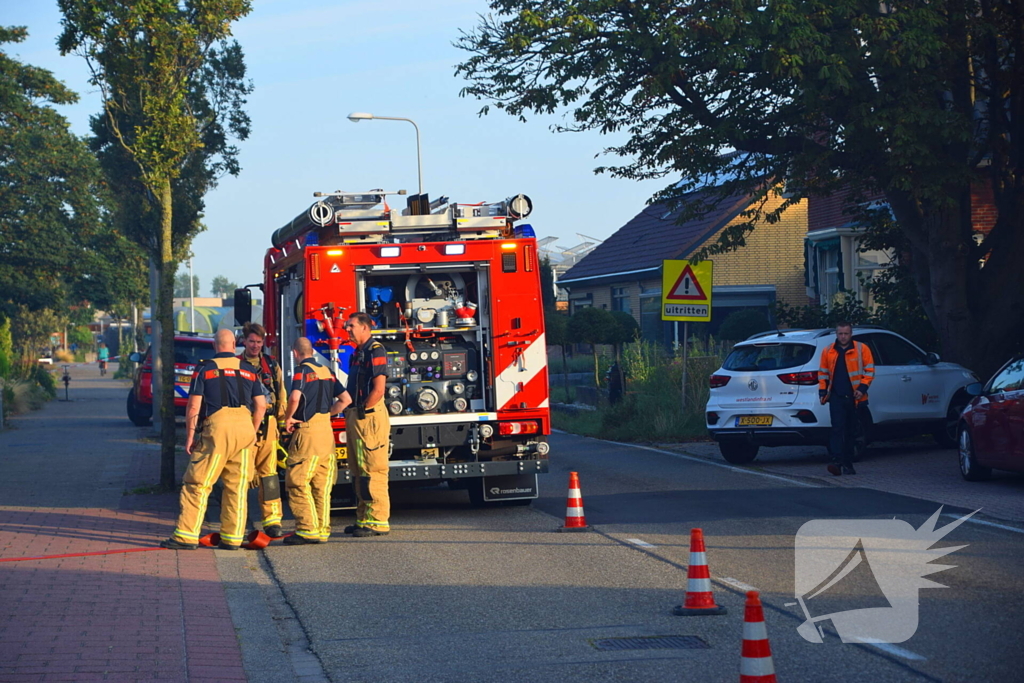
x=312, y=63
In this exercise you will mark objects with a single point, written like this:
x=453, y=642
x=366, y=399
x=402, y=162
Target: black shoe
x=848, y=469
x=274, y=531
x=366, y=532
x=227, y=546
x=834, y=470
x=295, y=539
x=175, y=544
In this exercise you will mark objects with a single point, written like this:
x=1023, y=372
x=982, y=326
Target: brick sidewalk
x=154, y=615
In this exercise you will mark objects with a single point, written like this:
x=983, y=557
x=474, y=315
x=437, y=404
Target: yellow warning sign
x=686, y=291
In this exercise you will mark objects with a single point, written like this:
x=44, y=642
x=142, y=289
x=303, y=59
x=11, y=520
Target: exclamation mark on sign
x=686, y=285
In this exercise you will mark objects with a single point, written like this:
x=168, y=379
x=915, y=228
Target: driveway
x=915, y=468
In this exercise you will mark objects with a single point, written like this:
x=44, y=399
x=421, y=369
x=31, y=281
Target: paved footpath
x=143, y=615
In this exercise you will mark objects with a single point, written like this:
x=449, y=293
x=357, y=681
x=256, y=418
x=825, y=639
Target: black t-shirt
x=841, y=385
x=319, y=388
x=225, y=382
x=370, y=360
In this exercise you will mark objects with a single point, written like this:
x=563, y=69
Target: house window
x=830, y=272
x=620, y=300
x=651, y=326
x=868, y=265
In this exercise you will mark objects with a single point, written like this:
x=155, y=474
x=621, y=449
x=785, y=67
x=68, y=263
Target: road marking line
x=714, y=464
x=642, y=544
x=984, y=523
x=893, y=649
x=735, y=583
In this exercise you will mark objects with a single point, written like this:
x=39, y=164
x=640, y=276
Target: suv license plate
x=754, y=421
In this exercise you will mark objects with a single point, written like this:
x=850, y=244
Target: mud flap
x=510, y=487
x=271, y=487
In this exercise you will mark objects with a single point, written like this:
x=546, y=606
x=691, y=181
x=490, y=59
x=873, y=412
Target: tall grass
x=652, y=407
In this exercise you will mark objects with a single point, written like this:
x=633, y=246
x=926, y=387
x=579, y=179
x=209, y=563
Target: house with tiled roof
x=624, y=272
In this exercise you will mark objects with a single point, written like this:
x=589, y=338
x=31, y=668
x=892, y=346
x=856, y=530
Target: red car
x=188, y=352
x=991, y=432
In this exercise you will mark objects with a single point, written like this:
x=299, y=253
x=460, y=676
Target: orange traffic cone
x=756, y=659
x=700, y=601
x=574, y=517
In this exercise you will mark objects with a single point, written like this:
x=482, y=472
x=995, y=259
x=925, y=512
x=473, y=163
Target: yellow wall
x=773, y=255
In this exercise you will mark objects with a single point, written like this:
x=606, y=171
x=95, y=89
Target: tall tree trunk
x=165, y=306
x=597, y=370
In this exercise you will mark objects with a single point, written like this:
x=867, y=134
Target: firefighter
x=368, y=430
x=265, y=470
x=316, y=395
x=844, y=386
x=228, y=399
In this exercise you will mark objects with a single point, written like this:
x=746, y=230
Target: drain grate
x=651, y=643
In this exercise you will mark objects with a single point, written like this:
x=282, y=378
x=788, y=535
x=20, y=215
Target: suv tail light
x=717, y=381
x=804, y=379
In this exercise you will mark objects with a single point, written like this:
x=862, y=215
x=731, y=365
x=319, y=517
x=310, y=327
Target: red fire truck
x=454, y=292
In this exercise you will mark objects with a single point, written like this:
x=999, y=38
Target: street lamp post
x=191, y=297
x=356, y=117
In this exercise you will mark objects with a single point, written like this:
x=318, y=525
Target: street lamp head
x=357, y=116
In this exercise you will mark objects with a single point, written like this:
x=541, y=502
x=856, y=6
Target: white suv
x=766, y=392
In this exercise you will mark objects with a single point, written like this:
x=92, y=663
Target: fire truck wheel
x=139, y=416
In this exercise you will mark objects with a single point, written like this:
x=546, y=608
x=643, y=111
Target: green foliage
x=6, y=348
x=556, y=327
x=44, y=380
x=222, y=287
x=623, y=330
x=739, y=325
x=547, y=283
x=651, y=410
x=82, y=336
x=31, y=330
x=181, y=287
x=173, y=89
x=913, y=102
x=591, y=326
x=49, y=183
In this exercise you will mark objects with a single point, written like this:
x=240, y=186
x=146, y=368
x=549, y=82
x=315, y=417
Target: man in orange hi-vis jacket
x=844, y=376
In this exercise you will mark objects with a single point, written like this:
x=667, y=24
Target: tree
x=556, y=331
x=222, y=287
x=172, y=90
x=181, y=285
x=547, y=283
x=919, y=102
x=49, y=183
x=624, y=330
x=591, y=326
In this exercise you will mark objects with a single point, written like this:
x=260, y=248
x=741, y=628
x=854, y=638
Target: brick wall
x=773, y=255
x=827, y=212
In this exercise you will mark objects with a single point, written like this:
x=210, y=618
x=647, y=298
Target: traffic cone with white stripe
x=575, y=520
x=756, y=659
x=700, y=601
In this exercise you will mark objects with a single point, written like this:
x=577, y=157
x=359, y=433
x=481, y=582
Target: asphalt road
x=459, y=594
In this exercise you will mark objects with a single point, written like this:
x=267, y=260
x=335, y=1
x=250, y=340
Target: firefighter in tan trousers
x=227, y=395
x=265, y=475
x=315, y=395
x=368, y=430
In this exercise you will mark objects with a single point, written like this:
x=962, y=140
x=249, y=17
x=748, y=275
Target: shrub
x=739, y=325
x=45, y=381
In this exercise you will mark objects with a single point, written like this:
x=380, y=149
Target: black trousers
x=846, y=429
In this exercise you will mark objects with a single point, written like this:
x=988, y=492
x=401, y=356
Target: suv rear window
x=770, y=356
x=189, y=353
x=192, y=353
